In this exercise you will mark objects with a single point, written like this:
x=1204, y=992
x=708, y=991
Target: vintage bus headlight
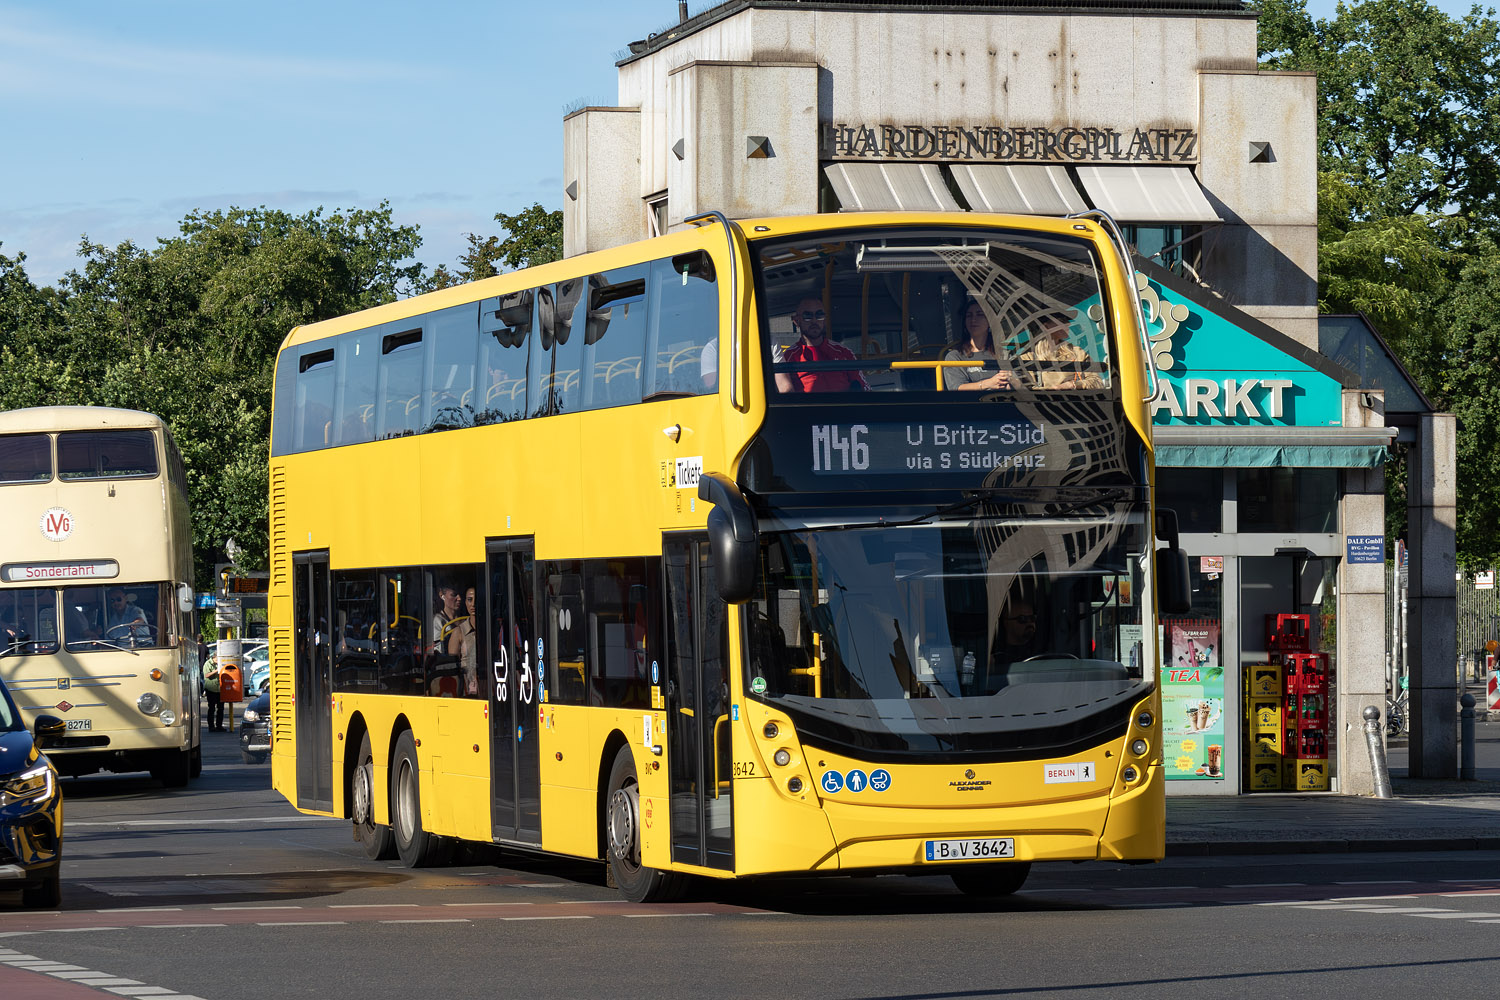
x=149, y=703
x=28, y=786
x=167, y=716
x=1139, y=748
x=782, y=758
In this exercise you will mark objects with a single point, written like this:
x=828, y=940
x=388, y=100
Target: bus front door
x=698, y=708
x=312, y=667
x=512, y=637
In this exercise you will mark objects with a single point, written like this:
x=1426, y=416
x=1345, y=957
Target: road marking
x=1408, y=895
x=1476, y=892
x=143, y=909
x=431, y=920
x=1380, y=881
x=486, y=904
x=1464, y=880
x=1150, y=888
x=668, y=914
x=202, y=822
x=370, y=906
x=256, y=907
x=1343, y=906
x=321, y=923
x=77, y=974
x=176, y=926
x=539, y=885
x=78, y=930
x=1460, y=914
x=570, y=916
x=1415, y=910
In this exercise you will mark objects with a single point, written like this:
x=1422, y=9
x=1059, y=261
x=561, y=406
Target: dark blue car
x=31, y=809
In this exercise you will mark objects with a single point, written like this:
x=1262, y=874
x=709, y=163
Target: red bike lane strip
x=21, y=983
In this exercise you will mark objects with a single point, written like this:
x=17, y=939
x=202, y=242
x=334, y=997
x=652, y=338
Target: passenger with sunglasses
x=811, y=323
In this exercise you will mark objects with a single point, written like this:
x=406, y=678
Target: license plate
x=76, y=724
x=974, y=849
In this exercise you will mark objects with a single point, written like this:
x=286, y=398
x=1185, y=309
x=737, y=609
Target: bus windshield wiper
x=110, y=645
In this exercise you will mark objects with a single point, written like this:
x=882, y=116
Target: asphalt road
x=221, y=891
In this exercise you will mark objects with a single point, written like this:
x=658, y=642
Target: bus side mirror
x=733, y=537
x=1174, y=585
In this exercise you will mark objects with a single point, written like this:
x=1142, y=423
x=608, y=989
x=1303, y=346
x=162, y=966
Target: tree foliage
x=532, y=236
x=1409, y=206
x=190, y=331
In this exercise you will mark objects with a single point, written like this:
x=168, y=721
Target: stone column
x=1361, y=631
x=1433, y=603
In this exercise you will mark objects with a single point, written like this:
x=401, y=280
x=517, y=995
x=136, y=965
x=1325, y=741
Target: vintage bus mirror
x=1174, y=586
x=184, y=598
x=732, y=536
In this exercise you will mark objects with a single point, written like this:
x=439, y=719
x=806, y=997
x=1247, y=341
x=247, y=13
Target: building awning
x=1272, y=447
x=890, y=187
x=1021, y=189
x=1147, y=194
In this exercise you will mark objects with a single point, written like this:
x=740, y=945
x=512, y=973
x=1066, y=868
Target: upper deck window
x=883, y=309
x=123, y=454
x=25, y=458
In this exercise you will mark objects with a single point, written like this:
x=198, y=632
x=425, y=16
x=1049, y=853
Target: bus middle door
x=515, y=764
x=698, y=711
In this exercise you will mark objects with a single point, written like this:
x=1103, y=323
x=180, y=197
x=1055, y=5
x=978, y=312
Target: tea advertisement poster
x=1192, y=698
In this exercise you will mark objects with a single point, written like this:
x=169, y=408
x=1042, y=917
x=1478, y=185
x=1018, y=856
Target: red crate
x=1287, y=633
x=1308, y=744
x=1306, y=673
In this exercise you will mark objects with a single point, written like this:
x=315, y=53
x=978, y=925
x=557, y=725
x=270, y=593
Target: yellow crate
x=1310, y=773
x=1265, y=746
x=1262, y=679
x=1265, y=716
x=1265, y=776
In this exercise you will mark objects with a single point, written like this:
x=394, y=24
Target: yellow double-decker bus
x=802, y=545
x=96, y=572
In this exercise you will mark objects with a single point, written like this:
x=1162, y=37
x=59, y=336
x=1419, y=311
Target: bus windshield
x=883, y=309
x=984, y=635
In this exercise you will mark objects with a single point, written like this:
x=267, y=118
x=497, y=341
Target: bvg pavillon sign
x=1007, y=144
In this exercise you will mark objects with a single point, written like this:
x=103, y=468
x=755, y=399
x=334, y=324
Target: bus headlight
x=1139, y=748
x=149, y=703
x=1144, y=720
x=795, y=785
x=782, y=758
x=1129, y=774
x=167, y=716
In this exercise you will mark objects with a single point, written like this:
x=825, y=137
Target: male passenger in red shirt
x=810, y=322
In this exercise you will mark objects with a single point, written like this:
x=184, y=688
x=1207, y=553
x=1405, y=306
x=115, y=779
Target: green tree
x=533, y=236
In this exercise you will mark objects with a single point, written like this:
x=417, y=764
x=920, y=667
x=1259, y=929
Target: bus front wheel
x=635, y=881
x=376, y=837
x=414, y=846
x=173, y=768
x=991, y=880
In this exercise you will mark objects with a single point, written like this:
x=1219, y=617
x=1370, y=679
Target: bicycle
x=1397, y=716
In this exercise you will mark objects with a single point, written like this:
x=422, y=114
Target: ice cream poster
x=1192, y=698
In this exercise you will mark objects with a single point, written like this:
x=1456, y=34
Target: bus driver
x=811, y=323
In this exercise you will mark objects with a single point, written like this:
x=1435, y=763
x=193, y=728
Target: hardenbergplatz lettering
x=1007, y=144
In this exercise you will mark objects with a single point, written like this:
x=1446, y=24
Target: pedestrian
x=211, y=689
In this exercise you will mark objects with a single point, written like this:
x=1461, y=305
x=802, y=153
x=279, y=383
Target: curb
x=1361, y=846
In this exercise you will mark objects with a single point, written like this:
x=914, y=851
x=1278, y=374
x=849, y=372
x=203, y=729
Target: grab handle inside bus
x=733, y=536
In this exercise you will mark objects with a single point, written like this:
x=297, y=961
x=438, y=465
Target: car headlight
x=250, y=715
x=149, y=703
x=28, y=786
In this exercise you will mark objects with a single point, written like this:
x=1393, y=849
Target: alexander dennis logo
x=969, y=784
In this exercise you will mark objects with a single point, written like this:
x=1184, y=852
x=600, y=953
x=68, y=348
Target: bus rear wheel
x=375, y=837
x=991, y=880
x=622, y=809
x=414, y=846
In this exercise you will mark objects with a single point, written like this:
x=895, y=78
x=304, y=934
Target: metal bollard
x=1377, y=753
x=1466, y=738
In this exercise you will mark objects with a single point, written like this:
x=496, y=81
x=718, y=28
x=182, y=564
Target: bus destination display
x=913, y=446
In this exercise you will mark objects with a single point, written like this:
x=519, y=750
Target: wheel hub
x=362, y=794
x=624, y=824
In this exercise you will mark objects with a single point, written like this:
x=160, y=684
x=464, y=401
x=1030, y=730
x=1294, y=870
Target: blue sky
x=121, y=116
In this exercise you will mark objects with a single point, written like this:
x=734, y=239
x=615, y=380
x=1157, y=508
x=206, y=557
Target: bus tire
x=991, y=880
x=174, y=767
x=414, y=846
x=622, y=817
x=195, y=770
x=374, y=837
